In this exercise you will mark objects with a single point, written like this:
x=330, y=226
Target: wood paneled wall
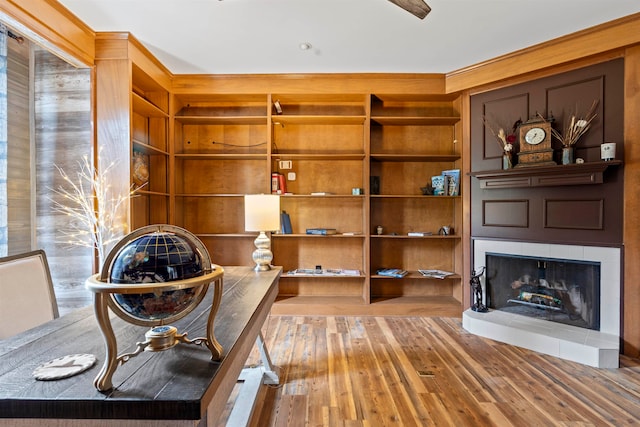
x=580, y=214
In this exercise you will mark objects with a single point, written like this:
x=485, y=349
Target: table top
x=178, y=383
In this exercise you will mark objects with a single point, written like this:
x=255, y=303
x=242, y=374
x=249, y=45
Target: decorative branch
x=92, y=210
x=505, y=141
x=576, y=127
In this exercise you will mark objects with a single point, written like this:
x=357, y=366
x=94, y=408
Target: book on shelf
x=435, y=274
x=322, y=231
x=452, y=181
x=282, y=184
x=278, y=183
x=392, y=272
x=321, y=193
x=447, y=183
x=419, y=233
x=285, y=223
x=437, y=182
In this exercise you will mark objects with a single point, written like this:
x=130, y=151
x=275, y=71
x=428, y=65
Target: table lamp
x=262, y=213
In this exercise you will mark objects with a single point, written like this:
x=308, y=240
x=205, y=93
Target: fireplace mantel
x=544, y=176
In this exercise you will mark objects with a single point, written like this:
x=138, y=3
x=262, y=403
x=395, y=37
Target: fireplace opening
x=558, y=290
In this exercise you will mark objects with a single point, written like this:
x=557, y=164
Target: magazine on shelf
x=322, y=231
x=435, y=274
x=324, y=272
x=452, y=181
x=419, y=233
x=392, y=272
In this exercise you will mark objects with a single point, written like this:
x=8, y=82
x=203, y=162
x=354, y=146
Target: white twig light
x=92, y=208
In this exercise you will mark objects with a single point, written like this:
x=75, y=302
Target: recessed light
x=305, y=46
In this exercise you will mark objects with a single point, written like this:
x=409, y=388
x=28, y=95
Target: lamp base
x=262, y=256
x=262, y=267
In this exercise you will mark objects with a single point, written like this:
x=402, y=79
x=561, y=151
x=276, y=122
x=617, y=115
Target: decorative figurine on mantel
x=476, y=292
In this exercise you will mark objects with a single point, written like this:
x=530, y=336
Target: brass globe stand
x=161, y=336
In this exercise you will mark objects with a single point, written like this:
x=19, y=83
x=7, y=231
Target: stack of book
x=392, y=272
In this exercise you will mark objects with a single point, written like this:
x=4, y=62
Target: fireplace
x=557, y=290
x=561, y=300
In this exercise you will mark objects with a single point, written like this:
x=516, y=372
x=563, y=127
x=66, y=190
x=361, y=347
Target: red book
x=275, y=183
x=282, y=184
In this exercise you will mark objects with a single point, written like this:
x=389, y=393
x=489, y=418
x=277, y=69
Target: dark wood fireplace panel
x=505, y=213
x=575, y=97
x=582, y=206
x=562, y=214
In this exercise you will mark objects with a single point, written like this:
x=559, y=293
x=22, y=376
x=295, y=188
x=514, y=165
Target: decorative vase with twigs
x=505, y=140
x=574, y=128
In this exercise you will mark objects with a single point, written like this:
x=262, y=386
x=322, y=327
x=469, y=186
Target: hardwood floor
x=418, y=371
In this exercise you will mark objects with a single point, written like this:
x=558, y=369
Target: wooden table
x=177, y=387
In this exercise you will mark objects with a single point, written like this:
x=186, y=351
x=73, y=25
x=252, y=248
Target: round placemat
x=64, y=367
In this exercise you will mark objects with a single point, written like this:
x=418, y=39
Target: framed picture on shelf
x=140, y=169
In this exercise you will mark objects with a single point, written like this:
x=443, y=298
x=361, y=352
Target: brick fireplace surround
x=594, y=348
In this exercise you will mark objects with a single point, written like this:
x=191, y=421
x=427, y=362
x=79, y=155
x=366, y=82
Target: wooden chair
x=27, y=298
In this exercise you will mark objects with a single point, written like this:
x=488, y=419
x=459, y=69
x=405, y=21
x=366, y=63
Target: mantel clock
x=535, y=143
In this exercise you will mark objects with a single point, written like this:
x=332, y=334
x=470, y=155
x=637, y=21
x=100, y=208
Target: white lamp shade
x=261, y=212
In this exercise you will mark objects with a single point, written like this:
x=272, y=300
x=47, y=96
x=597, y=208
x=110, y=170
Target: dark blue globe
x=156, y=257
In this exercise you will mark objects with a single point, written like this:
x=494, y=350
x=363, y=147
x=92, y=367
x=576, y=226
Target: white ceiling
x=368, y=36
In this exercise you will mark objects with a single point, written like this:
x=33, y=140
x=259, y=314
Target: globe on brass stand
x=154, y=276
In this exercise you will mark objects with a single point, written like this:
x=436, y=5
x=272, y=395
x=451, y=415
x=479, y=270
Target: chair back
x=27, y=298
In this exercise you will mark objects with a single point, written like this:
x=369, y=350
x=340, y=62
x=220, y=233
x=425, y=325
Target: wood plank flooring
x=419, y=371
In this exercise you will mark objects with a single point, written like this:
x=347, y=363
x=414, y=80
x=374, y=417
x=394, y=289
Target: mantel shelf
x=545, y=176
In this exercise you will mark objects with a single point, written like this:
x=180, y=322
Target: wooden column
x=631, y=289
